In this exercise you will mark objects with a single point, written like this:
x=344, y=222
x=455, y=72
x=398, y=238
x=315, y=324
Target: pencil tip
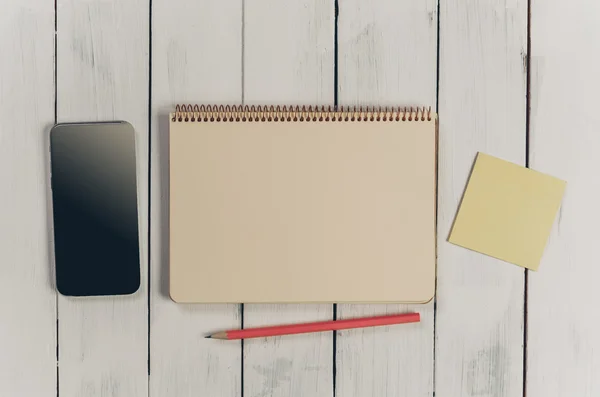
x=208, y=337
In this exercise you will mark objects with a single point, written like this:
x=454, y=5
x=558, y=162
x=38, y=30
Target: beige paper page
x=302, y=211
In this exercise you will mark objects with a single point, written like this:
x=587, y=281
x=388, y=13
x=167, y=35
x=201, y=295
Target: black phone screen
x=94, y=200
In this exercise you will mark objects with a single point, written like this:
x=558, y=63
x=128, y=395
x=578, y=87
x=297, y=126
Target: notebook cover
x=302, y=211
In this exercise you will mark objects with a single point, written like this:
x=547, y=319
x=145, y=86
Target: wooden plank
x=196, y=58
x=563, y=319
x=482, y=106
x=102, y=74
x=27, y=288
x=288, y=59
x=387, y=56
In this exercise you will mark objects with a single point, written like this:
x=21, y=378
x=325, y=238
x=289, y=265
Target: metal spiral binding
x=251, y=113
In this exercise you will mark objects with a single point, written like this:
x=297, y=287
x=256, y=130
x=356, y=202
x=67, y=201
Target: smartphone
x=94, y=205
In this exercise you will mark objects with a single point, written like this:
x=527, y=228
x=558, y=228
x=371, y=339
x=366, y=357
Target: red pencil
x=317, y=327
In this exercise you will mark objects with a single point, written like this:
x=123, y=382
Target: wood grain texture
x=102, y=74
x=387, y=56
x=196, y=58
x=482, y=106
x=288, y=59
x=563, y=319
x=27, y=294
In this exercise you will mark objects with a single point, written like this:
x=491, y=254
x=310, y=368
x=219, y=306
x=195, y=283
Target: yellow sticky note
x=507, y=211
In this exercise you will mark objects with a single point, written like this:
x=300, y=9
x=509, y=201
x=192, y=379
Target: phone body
x=94, y=206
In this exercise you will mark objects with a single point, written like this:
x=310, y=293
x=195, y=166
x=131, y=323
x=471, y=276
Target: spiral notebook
x=302, y=204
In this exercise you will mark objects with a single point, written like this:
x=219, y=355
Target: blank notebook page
x=302, y=211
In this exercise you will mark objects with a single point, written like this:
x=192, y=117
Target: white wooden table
x=509, y=78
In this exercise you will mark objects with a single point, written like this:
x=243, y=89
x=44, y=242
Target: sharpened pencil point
x=219, y=335
x=208, y=337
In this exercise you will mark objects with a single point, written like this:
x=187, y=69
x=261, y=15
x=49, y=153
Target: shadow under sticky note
x=507, y=211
